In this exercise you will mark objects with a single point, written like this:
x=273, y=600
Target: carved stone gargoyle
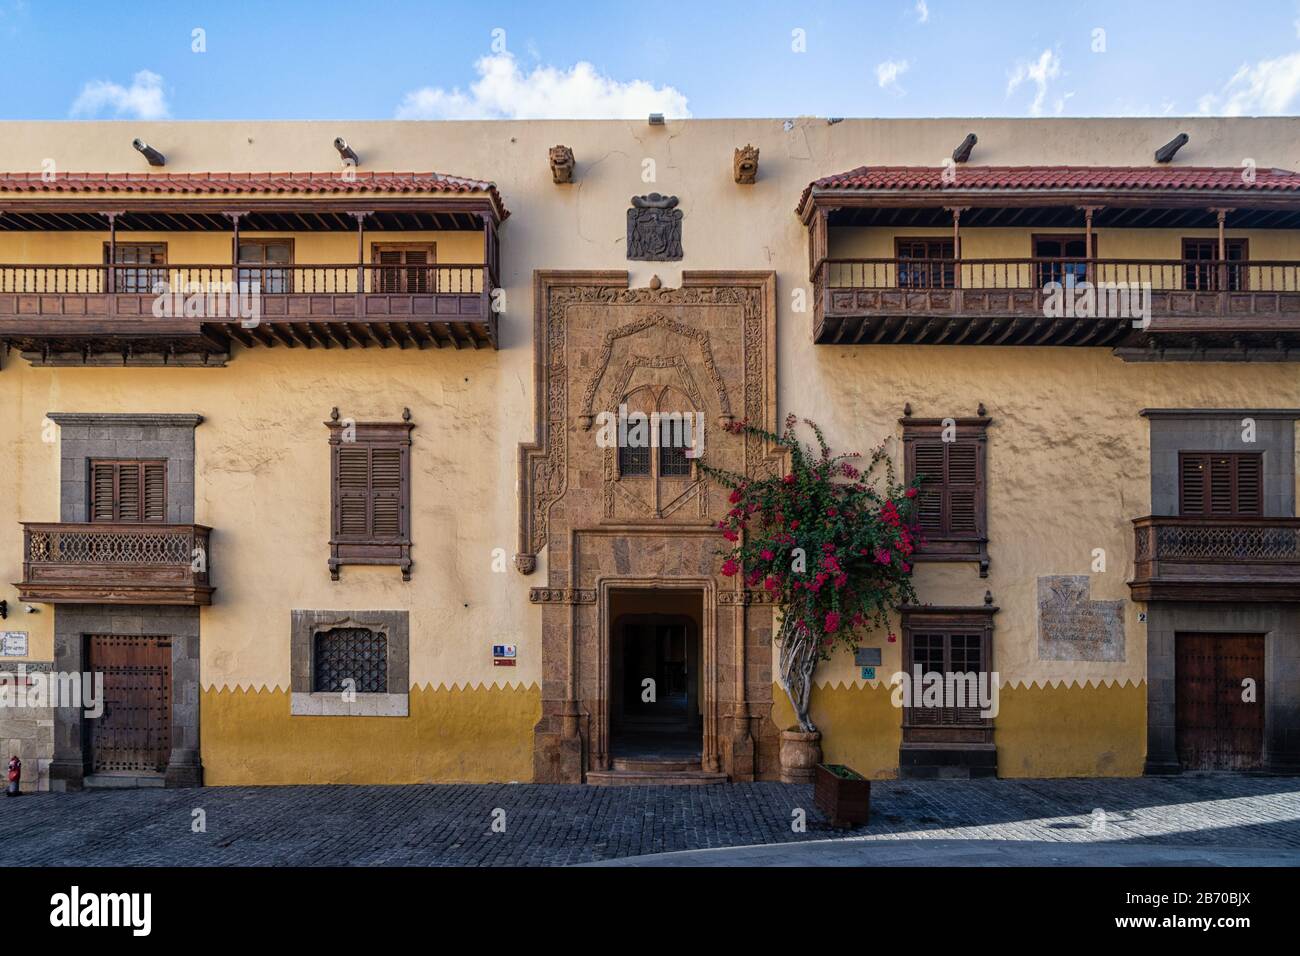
x=562, y=164
x=745, y=165
x=654, y=228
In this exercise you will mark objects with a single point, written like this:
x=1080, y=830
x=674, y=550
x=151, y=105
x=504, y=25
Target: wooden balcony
x=1142, y=308
x=191, y=314
x=103, y=563
x=1216, y=559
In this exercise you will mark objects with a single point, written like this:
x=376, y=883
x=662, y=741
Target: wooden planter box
x=843, y=797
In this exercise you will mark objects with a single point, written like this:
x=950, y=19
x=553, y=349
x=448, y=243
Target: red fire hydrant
x=15, y=776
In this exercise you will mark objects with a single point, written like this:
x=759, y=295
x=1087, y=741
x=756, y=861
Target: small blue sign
x=868, y=673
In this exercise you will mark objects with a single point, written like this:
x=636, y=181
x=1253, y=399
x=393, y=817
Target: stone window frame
x=306, y=624
x=85, y=436
x=1175, y=430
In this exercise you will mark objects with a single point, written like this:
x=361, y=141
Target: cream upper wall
x=1068, y=450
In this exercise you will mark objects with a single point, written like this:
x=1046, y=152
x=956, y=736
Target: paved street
x=1194, y=819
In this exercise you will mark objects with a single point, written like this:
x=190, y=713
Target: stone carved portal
x=713, y=343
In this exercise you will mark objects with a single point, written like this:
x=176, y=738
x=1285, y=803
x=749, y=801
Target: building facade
x=303, y=451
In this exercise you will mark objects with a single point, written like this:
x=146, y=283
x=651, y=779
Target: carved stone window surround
x=306, y=624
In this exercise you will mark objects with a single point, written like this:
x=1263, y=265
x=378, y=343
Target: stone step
x=657, y=764
x=648, y=778
x=121, y=781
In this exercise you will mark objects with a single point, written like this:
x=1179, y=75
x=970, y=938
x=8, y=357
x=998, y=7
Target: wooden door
x=134, y=733
x=1215, y=728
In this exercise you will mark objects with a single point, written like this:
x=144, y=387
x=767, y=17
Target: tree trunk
x=798, y=660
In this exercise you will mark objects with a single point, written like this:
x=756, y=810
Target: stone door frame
x=579, y=319
x=599, y=707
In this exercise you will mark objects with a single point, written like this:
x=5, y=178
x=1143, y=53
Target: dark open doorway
x=655, y=677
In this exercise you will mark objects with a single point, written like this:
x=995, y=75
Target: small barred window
x=355, y=653
x=673, y=462
x=633, y=461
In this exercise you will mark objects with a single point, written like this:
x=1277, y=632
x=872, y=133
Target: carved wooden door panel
x=1215, y=728
x=134, y=732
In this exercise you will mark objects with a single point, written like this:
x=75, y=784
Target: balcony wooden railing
x=115, y=563
x=1216, y=559
x=1006, y=301
x=64, y=314
x=334, y=279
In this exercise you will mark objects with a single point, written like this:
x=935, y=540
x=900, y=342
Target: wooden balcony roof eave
x=1158, y=198
x=173, y=213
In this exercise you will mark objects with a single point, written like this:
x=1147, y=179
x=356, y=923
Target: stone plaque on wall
x=1072, y=626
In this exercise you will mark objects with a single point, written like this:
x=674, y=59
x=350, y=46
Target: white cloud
x=887, y=74
x=1040, y=72
x=143, y=99
x=504, y=91
x=1267, y=88
x=922, y=11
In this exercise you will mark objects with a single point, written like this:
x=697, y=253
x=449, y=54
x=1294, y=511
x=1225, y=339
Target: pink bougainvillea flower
x=730, y=567
x=911, y=492
x=832, y=621
x=730, y=535
x=767, y=554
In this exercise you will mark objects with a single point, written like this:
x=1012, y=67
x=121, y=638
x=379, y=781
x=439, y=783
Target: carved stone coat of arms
x=654, y=228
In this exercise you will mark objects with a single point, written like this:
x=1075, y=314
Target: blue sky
x=361, y=60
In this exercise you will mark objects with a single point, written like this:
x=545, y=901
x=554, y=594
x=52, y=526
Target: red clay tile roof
x=218, y=183
x=1055, y=177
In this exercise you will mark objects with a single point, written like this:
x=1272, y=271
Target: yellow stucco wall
x=452, y=735
x=1068, y=451
x=1052, y=730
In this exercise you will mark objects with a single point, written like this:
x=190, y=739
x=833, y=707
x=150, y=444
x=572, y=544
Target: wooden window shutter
x=386, y=482
x=370, y=495
x=950, y=506
x=128, y=490
x=154, y=491
x=1250, y=489
x=962, y=481
x=930, y=463
x=103, y=491
x=390, y=280
x=352, y=497
x=418, y=258
x=1220, y=484
x=1191, y=484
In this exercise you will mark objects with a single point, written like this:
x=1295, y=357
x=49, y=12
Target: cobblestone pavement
x=555, y=825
